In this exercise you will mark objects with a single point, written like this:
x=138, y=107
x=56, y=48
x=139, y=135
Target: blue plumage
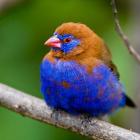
x=67, y=45
x=68, y=86
x=78, y=75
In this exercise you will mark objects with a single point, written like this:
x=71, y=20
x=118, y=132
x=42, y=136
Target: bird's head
x=73, y=38
x=63, y=42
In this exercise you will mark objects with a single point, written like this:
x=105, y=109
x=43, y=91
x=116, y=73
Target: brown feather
x=91, y=51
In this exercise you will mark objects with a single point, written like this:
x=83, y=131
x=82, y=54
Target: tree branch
x=6, y=4
x=35, y=108
x=119, y=30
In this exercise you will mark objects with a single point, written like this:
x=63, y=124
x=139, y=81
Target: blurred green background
x=25, y=25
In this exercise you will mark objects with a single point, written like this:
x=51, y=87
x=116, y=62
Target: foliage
x=23, y=30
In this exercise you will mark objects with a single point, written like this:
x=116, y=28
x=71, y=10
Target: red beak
x=53, y=42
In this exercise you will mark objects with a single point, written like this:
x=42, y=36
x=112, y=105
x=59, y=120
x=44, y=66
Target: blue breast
x=68, y=86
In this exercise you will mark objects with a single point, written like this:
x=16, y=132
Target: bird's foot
x=88, y=120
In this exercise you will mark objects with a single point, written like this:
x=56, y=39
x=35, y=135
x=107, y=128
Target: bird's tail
x=129, y=102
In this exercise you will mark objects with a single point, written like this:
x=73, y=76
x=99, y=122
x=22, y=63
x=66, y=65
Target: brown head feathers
x=92, y=49
x=90, y=43
x=77, y=29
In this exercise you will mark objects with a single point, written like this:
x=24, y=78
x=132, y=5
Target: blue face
x=68, y=42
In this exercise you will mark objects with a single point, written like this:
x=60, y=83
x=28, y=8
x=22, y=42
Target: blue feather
x=67, y=47
x=68, y=86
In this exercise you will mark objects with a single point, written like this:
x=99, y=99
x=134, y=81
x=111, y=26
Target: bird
x=78, y=75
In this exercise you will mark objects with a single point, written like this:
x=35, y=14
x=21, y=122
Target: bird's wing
x=114, y=69
x=106, y=57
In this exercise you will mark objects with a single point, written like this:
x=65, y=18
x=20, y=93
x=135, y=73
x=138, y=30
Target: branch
x=119, y=30
x=35, y=108
x=5, y=4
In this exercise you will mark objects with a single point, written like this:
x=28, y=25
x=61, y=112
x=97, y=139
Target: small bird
x=78, y=75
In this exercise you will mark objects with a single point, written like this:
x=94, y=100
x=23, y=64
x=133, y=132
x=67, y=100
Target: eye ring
x=67, y=40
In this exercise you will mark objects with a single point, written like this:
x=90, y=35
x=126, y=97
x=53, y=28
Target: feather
x=79, y=77
x=129, y=102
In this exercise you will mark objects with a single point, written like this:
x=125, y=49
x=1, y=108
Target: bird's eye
x=67, y=40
